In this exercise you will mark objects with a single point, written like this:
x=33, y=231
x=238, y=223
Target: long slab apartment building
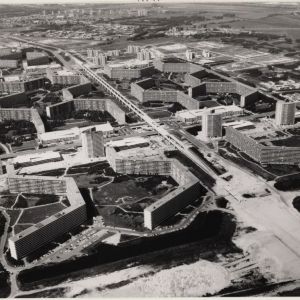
x=63, y=109
x=65, y=77
x=199, y=87
x=136, y=156
x=262, y=153
x=28, y=114
x=22, y=85
x=123, y=72
x=144, y=92
x=36, y=236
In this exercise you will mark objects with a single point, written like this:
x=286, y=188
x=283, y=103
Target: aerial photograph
x=149, y=148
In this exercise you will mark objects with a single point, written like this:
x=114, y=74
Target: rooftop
x=72, y=132
x=35, y=54
x=144, y=153
x=200, y=112
x=73, y=194
x=127, y=142
x=36, y=157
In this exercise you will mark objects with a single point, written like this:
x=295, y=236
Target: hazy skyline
x=145, y=1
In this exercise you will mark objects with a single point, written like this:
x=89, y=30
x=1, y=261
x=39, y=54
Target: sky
x=136, y=1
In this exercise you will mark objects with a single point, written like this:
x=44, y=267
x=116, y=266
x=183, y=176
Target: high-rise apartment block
x=285, y=113
x=189, y=55
x=93, y=143
x=99, y=60
x=133, y=49
x=144, y=54
x=94, y=52
x=212, y=124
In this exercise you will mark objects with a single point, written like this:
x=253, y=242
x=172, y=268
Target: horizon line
x=40, y=2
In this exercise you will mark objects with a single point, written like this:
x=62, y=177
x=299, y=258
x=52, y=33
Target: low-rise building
x=35, y=58
x=195, y=116
x=72, y=134
x=9, y=63
x=65, y=77
x=33, y=159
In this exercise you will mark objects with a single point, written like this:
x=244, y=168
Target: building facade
x=46, y=231
x=22, y=85
x=64, y=109
x=9, y=63
x=93, y=143
x=285, y=113
x=260, y=153
x=37, y=58
x=212, y=124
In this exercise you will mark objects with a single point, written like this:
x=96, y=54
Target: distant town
x=149, y=149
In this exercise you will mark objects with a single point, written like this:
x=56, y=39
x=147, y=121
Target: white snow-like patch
x=101, y=281
x=197, y=279
x=275, y=261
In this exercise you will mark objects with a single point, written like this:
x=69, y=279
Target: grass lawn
x=130, y=189
x=38, y=214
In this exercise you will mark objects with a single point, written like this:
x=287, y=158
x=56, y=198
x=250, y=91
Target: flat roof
x=51, y=66
x=12, y=78
x=199, y=112
x=73, y=194
x=130, y=141
x=238, y=124
x=169, y=197
x=144, y=153
x=64, y=72
x=59, y=134
x=130, y=63
x=35, y=157
x=100, y=127
x=73, y=132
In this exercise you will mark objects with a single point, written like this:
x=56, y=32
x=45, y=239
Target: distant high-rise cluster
x=142, y=12
x=97, y=56
x=189, y=55
x=144, y=54
x=133, y=49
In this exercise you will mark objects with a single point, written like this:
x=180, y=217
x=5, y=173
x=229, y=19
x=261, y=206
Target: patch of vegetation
x=8, y=200
x=296, y=203
x=14, y=215
x=288, y=183
x=37, y=214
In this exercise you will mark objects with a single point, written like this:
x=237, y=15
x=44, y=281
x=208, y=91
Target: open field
x=279, y=24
